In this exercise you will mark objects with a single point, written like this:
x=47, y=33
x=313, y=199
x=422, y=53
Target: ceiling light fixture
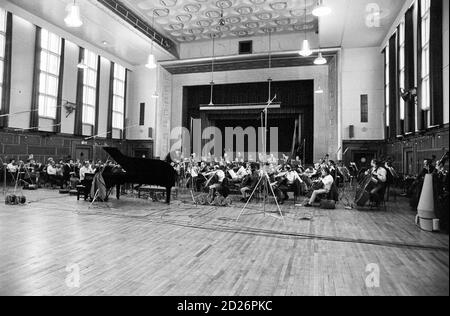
x=73, y=18
x=151, y=60
x=306, y=49
x=321, y=9
x=211, y=102
x=319, y=90
x=320, y=60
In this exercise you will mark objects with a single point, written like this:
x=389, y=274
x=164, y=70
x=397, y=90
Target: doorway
x=83, y=153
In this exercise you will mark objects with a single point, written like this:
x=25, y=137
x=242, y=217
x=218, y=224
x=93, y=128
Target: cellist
x=379, y=179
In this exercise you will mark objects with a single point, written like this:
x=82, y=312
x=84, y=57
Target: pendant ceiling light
x=306, y=49
x=269, y=80
x=319, y=90
x=320, y=60
x=73, y=18
x=151, y=60
x=211, y=103
x=321, y=9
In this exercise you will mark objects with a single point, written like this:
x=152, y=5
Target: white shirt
x=83, y=172
x=220, y=175
x=51, y=170
x=12, y=168
x=328, y=182
x=291, y=176
x=381, y=175
x=242, y=172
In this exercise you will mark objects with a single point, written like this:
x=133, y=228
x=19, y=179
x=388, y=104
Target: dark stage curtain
x=410, y=125
x=7, y=72
x=79, y=112
x=124, y=132
x=393, y=90
x=436, y=62
x=34, y=115
x=97, y=97
x=110, y=102
x=57, y=127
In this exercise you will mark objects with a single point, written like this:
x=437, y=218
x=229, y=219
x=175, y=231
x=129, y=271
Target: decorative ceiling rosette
x=168, y=3
x=224, y=4
x=192, y=8
x=278, y=6
x=244, y=10
x=184, y=18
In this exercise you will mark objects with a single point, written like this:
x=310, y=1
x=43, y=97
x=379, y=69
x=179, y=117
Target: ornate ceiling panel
x=191, y=20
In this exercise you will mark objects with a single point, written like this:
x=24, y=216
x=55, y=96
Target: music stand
x=264, y=176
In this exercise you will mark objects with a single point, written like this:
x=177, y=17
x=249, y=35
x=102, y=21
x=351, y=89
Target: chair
x=382, y=203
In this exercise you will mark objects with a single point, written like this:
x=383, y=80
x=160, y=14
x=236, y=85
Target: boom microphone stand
x=264, y=178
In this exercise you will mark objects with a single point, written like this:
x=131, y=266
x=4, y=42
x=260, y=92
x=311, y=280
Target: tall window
x=425, y=45
x=89, y=87
x=387, y=81
x=49, y=74
x=364, y=108
x=401, y=74
x=118, y=97
x=3, y=16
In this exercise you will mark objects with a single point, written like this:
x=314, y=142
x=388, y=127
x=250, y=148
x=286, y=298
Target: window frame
x=119, y=83
x=47, y=52
x=387, y=82
x=3, y=39
x=402, y=67
x=90, y=88
x=424, y=46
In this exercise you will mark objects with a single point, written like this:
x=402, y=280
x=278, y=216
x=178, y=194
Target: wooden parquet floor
x=137, y=247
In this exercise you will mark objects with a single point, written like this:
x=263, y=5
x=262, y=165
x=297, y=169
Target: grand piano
x=139, y=171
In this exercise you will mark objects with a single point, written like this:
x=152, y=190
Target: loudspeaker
x=150, y=132
x=351, y=131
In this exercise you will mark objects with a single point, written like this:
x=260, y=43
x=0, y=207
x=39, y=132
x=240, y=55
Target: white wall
x=445, y=37
x=230, y=46
x=363, y=73
x=69, y=85
x=143, y=85
x=105, y=68
x=22, y=65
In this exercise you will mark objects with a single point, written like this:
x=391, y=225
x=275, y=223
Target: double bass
x=363, y=190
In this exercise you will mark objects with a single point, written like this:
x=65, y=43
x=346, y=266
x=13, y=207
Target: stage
x=137, y=247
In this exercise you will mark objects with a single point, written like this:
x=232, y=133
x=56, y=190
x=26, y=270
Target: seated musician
x=52, y=173
x=428, y=168
x=243, y=171
x=290, y=180
x=12, y=170
x=379, y=178
x=327, y=183
x=250, y=183
x=219, y=175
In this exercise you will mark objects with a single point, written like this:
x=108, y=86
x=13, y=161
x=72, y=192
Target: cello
x=363, y=190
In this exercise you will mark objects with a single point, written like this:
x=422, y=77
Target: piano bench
x=156, y=193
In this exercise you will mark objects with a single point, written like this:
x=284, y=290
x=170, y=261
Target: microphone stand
x=264, y=178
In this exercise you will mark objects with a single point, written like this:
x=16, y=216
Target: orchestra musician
x=379, y=179
x=249, y=183
x=288, y=180
x=326, y=183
